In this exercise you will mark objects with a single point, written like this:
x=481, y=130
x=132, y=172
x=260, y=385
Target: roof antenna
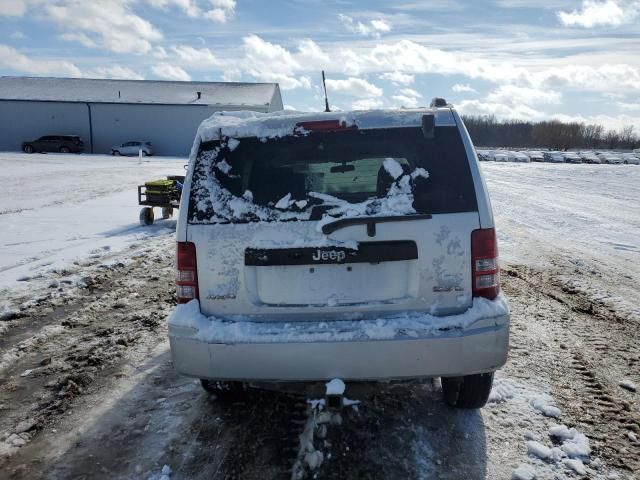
x=326, y=99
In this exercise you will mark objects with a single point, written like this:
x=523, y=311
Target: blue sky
x=512, y=58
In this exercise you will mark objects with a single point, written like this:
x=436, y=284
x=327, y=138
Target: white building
x=110, y=112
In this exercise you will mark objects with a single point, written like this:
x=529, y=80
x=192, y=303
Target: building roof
x=219, y=94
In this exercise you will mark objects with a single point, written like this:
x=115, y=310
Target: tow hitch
x=334, y=395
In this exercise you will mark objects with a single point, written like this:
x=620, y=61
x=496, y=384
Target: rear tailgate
x=413, y=265
x=333, y=224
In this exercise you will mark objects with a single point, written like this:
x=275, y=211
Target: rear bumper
x=481, y=347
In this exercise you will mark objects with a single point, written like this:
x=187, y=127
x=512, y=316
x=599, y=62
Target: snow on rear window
x=327, y=176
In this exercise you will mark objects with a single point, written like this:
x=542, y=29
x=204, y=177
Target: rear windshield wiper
x=370, y=222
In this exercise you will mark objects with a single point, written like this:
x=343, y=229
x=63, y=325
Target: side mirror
x=428, y=125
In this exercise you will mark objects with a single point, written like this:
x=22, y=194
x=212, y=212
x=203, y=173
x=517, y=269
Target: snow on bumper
x=406, y=346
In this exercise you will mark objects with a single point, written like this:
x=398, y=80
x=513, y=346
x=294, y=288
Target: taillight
x=484, y=257
x=186, y=272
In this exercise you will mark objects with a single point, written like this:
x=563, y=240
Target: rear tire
x=224, y=391
x=471, y=391
x=64, y=150
x=167, y=212
x=28, y=149
x=115, y=153
x=146, y=216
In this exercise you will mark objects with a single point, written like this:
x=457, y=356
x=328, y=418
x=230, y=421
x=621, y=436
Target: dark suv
x=55, y=143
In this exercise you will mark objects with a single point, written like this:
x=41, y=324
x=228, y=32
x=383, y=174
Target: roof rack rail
x=437, y=102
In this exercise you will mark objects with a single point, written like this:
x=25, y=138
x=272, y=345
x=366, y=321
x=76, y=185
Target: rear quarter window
x=354, y=173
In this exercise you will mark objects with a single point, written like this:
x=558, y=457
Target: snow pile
x=574, y=443
x=628, y=385
x=406, y=325
x=279, y=124
x=562, y=450
x=310, y=458
x=335, y=387
x=523, y=472
x=503, y=389
x=543, y=404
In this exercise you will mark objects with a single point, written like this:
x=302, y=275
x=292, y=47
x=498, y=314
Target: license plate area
x=367, y=252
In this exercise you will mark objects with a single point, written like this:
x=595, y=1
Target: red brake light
x=323, y=126
x=186, y=272
x=484, y=258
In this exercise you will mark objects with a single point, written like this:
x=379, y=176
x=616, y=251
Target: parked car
x=133, y=148
x=484, y=155
x=553, y=157
x=606, y=157
x=520, y=157
x=571, y=157
x=389, y=270
x=535, y=155
x=55, y=143
x=630, y=158
x=589, y=157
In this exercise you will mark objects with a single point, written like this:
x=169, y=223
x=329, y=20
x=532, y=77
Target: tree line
x=487, y=131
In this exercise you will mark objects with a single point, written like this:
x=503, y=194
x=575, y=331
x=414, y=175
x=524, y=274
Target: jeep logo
x=330, y=255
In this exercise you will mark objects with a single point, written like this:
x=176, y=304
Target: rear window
x=377, y=172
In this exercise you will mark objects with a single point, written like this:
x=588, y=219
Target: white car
x=606, y=157
x=630, y=158
x=500, y=156
x=535, y=155
x=571, y=157
x=350, y=245
x=520, y=157
x=133, y=148
x=589, y=157
x=554, y=157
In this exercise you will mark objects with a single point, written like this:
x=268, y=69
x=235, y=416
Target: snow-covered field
x=584, y=217
x=58, y=210
x=87, y=388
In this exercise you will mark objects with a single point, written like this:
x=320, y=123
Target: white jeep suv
x=358, y=246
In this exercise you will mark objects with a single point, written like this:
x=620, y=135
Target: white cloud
x=355, y=87
x=596, y=13
x=189, y=7
x=11, y=59
x=380, y=26
x=367, y=104
x=398, y=78
x=615, y=122
x=115, y=71
x=170, y=72
x=463, y=88
x=17, y=35
x=219, y=11
x=407, y=98
x=312, y=53
x=268, y=62
x=16, y=8
x=371, y=28
x=222, y=10
x=110, y=24
x=194, y=57
x=515, y=96
x=478, y=107
x=80, y=38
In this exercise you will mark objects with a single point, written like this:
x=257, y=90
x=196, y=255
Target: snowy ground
x=87, y=389
x=60, y=210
